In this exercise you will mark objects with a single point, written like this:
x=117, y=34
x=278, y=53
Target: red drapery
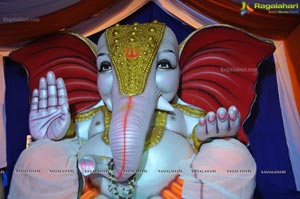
x=272, y=26
x=12, y=33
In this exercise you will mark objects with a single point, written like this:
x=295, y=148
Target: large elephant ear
x=219, y=69
x=70, y=57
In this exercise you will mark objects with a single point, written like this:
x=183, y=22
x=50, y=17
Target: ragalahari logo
x=246, y=8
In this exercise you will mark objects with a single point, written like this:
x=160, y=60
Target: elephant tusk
x=108, y=104
x=164, y=105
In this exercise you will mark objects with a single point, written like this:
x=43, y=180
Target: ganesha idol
x=167, y=123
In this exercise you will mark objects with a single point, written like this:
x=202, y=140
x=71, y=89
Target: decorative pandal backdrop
x=273, y=127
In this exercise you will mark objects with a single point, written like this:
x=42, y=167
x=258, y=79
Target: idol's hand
x=49, y=116
x=222, y=124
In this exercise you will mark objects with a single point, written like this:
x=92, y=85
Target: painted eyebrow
x=102, y=54
x=168, y=50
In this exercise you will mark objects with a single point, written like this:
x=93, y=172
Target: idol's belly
x=158, y=167
x=161, y=164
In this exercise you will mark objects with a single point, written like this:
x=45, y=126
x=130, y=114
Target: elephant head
x=138, y=73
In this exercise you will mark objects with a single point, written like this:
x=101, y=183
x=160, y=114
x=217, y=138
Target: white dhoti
x=46, y=170
x=223, y=169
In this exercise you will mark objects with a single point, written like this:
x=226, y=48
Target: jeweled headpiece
x=132, y=49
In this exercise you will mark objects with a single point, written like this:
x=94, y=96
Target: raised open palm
x=49, y=116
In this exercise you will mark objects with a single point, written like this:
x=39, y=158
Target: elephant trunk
x=131, y=118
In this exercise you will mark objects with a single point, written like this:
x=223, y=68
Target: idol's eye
x=164, y=64
x=105, y=66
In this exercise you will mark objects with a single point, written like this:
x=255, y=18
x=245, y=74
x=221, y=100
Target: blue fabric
x=17, y=112
x=267, y=138
x=4, y=179
x=264, y=126
x=151, y=12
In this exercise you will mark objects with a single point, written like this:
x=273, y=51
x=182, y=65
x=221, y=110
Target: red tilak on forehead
x=133, y=53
